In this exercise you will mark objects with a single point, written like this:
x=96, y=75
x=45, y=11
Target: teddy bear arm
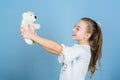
x=36, y=26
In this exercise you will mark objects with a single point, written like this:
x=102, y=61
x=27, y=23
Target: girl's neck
x=83, y=42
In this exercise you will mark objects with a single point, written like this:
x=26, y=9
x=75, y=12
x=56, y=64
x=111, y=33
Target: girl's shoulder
x=77, y=47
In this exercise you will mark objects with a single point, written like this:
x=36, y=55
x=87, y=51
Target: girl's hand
x=27, y=32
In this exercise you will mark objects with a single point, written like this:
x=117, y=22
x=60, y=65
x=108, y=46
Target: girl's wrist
x=33, y=37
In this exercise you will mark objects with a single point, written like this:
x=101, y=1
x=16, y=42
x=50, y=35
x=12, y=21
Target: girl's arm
x=48, y=45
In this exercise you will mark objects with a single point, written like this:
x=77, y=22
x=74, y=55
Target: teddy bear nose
x=35, y=17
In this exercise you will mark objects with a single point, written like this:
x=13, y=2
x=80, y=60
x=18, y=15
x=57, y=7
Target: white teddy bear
x=28, y=18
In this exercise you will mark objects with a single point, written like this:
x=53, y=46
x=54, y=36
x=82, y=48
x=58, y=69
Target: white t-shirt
x=75, y=61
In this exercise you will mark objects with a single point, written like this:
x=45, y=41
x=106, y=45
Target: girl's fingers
x=26, y=31
x=21, y=35
x=21, y=29
x=29, y=28
x=28, y=25
x=26, y=28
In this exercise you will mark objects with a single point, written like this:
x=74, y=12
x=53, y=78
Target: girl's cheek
x=80, y=36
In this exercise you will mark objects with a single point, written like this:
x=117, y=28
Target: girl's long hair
x=95, y=42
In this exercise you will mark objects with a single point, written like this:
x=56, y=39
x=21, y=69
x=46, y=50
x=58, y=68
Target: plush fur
x=28, y=18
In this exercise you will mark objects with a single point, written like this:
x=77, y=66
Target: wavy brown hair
x=95, y=42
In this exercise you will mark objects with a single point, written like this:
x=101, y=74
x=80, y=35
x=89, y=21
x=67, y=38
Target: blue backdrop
x=19, y=61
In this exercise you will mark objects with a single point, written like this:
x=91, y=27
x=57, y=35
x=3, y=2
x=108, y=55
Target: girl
x=81, y=57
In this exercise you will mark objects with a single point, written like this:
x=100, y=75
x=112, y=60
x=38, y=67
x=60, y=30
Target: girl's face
x=79, y=32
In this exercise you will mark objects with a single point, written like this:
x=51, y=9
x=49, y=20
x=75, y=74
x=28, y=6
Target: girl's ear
x=87, y=35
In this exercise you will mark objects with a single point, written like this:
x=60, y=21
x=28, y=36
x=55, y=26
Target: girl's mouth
x=73, y=34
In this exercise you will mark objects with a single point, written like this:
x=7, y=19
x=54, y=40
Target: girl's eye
x=77, y=28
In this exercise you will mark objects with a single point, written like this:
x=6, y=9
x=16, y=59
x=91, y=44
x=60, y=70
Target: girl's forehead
x=82, y=24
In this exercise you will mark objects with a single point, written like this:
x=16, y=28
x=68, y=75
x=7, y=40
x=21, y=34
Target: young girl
x=79, y=58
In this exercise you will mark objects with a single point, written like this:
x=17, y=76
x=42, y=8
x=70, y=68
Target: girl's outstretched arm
x=48, y=45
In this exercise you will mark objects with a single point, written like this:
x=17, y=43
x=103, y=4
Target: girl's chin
x=73, y=38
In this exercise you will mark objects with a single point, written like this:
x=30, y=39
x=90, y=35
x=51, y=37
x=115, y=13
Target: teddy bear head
x=29, y=17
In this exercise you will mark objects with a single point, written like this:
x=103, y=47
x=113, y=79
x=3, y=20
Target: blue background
x=19, y=61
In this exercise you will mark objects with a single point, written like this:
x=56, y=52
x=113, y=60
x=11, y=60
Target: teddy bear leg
x=28, y=41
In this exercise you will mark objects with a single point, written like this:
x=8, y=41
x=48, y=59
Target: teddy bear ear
x=24, y=14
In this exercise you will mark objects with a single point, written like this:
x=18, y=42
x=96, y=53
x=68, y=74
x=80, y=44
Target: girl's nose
x=73, y=29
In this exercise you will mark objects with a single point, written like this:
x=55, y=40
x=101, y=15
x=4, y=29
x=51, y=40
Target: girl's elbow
x=59, y=52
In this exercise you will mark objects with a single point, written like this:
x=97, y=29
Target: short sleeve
x=70, y=53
